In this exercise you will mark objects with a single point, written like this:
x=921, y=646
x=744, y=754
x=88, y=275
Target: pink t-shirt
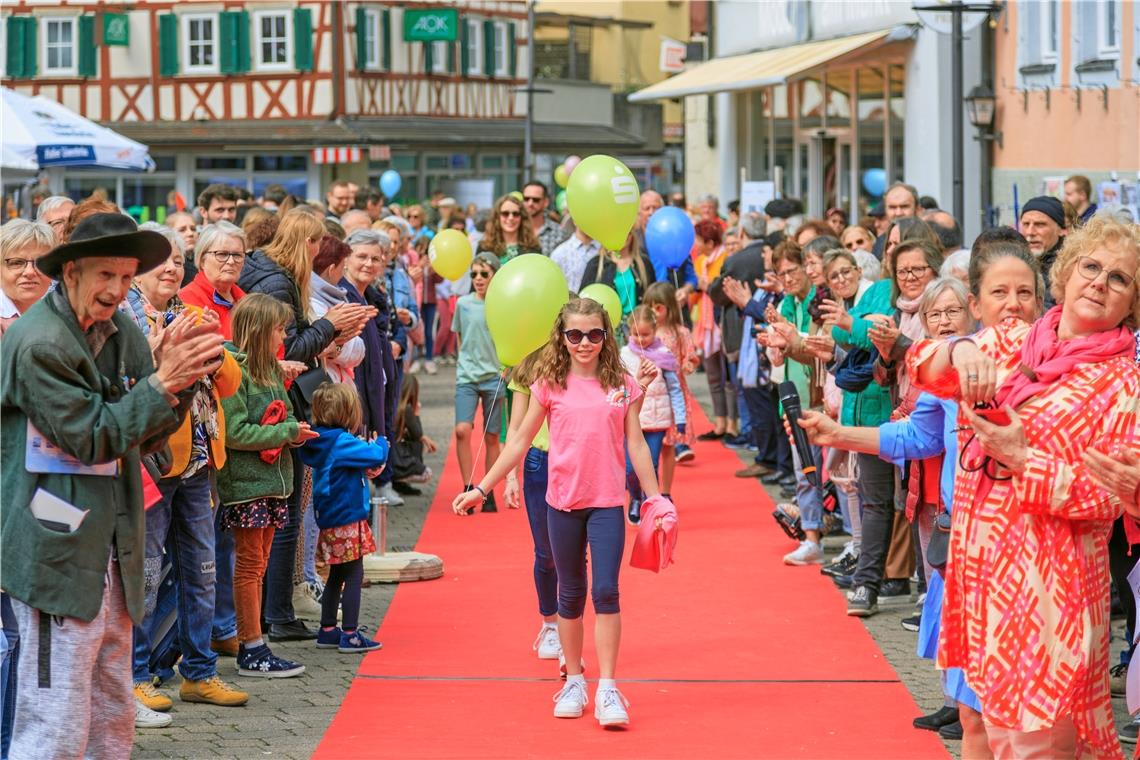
x=587, y=441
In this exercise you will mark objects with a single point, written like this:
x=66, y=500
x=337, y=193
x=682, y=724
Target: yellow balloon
x=523, y=301
x=561, y=176
x=450, y=253
x=603, y=198
x=607, y=297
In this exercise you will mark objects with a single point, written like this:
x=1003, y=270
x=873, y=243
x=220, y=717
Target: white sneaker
x=430, y=368
x=571, y=700
x=809, y=553
x=547, y=644
x=305, y=606
x=415, y=366
x=388, y=494
x=148, y=718
x=609, y=708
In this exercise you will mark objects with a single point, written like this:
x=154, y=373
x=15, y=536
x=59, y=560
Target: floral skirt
x=345, y=543
x=269, y=512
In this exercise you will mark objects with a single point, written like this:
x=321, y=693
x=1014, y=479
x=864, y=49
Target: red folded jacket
x=274, y=413
x=656, y=535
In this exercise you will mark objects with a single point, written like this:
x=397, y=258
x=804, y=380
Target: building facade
x=1068, y=75
x=251, y=93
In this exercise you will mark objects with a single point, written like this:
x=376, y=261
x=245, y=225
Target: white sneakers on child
x=571, y=699
x=808, y=553
x=609, y=708
x=547, y=644
x=148, y=718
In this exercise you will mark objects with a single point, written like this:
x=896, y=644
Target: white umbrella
x=38, y=133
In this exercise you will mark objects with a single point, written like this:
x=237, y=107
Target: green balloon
x=560, y=201
x=603, y=198
x=523, y=302
x=607, y=297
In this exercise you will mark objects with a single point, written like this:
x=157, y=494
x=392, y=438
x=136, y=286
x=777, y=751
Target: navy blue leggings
x=343, y=590
x=603, y=528
x=534, y=494
x=655, y=439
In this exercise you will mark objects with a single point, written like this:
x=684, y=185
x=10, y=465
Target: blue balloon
x=875, y=182
x=390, y=183
x=669, y=236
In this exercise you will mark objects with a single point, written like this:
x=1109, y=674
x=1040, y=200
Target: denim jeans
x=773, y=449
x=185, y=514
x=311, y=533
x=808, y=497
x=535, y=469
x=278, y=593
x=603, y=528
x=225, y=616
x=655, y=439
x=10, y=652
x=427, y=314
x=743, y=415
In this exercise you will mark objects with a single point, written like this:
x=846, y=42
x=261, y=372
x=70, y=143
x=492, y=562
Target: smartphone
x=996, y=416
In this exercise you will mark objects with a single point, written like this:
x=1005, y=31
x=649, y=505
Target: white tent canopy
x=40, y=133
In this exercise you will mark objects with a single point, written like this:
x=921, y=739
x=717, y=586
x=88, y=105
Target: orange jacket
x=226, y=382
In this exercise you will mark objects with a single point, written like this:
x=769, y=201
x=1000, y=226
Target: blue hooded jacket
x=340, y=489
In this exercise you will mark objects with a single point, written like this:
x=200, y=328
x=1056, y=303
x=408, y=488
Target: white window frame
x=502, y=55
x=374, y=57
x=474, y=47
x=258, y=63
x=59, y=71
x=1105, y=47
x=439, y=57
x=1050, y=36
x=185, y=20
x=3, y=46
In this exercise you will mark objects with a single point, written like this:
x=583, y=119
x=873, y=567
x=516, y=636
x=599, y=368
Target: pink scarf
x=656, y=352
x=1045, y=358
x=910, y=321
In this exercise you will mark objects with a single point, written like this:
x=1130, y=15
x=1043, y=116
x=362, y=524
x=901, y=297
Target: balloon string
x=487, y=415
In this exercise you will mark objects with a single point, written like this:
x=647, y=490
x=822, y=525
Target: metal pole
x=528, y=137
x=956, y=10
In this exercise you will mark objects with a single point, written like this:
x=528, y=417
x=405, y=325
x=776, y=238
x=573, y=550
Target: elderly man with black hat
x=82, y=399
x=1042, y=223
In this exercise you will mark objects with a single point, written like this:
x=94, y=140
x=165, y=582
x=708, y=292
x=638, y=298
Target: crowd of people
x=248, y=371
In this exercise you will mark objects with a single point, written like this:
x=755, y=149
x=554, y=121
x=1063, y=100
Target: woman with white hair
x=219, y=256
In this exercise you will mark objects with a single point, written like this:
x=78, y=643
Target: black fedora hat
x=111, y=236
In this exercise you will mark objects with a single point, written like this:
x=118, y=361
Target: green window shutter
x=31, y=52
x=168, y=45
x=514, y=51
x=386, y=40
x=361, y=41
x=429, y=57
x=450, y=57
x=489, y=48
x=464, y=55
x=303, y=38
x=14, y=65
x=241, y=48
x=227, y=43
x=86, y=39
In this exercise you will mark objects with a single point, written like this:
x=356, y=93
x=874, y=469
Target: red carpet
x=726, y=654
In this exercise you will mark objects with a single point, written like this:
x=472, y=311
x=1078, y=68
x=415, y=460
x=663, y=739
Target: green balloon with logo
x=603, y=199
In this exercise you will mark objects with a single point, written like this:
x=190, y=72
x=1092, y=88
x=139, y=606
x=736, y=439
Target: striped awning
x=337, y=155
x=754, y=70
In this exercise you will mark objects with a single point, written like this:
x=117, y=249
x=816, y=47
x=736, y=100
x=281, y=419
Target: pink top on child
x=587, y=435
x=656, y=535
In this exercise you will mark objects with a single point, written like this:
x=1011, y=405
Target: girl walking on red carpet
x=592, y=405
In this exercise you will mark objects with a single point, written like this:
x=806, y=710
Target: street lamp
x=980, y=106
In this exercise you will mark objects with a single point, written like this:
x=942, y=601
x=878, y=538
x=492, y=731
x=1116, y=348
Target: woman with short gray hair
x=219, y=256
x=21, y=283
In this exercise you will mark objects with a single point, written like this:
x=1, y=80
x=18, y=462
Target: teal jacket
x=872, y=406
x=246, y=476
x=96, y=409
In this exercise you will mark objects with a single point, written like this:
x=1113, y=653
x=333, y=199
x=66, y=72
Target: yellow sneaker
x=152, y=698
x=212, y=691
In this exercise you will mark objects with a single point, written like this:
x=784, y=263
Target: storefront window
x=147, y=197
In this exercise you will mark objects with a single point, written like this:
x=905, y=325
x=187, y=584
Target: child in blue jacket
x=342, y=465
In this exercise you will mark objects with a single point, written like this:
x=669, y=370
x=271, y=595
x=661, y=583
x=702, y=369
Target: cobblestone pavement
x=286, y=718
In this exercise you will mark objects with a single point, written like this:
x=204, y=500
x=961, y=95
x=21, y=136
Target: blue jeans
x=10, y=652
x=655, y=439
x=768, y=429
x=278, y=582
x=742, y=411
x=225, y=615
x=535, y=469
x=427, y=314
x=185, y=514
x=311, y=533
x=808, y=497
x=603, y=528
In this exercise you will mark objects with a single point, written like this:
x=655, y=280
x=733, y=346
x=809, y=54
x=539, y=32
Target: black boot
x=944, y=716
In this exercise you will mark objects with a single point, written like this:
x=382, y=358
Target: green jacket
x=872, y=406
x=796, y=311
x=49, y=378
x=245, y=476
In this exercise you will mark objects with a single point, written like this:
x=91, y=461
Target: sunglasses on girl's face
x=510, y=214
x=595, y=336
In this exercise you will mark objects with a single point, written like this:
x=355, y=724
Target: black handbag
x=938, y=550
x=304, y=386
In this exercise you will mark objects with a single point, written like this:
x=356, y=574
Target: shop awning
x=763, y=69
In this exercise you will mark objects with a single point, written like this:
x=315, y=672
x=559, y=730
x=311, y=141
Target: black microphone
x=790, y=400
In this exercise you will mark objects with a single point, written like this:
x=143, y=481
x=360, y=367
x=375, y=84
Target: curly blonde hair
x=494, y=240
x=1100, y=231
x=553, y=363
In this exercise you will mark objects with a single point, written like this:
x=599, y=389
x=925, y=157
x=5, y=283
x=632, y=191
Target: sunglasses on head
x=595, y=336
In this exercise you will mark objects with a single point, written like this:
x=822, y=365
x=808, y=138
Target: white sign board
x=672, y=56
x=754, y=196
x=481, y=192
